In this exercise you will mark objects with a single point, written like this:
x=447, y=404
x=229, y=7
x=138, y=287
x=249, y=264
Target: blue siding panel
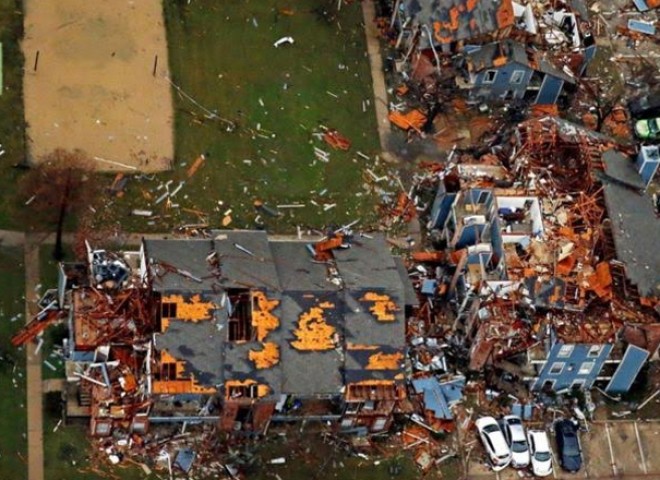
x=572, y=363
x=626, y=373
x=502, y=83
x=441, y=208
x=550, y=90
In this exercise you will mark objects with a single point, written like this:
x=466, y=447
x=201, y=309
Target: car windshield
x=542, y=456
x=491, y=428
x=519, y=446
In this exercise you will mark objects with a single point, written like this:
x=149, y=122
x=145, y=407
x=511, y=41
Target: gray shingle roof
x=635, y=227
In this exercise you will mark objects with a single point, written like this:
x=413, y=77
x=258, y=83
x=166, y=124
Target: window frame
x=516, y=73
x=563, y=354
x=561, y=366
x=485, y=78
x=591, y=368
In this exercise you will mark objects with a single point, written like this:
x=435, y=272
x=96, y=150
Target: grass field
x=12, y=124
x=222, y=56
x=67, y=454
x=48, y=268
x=13, y=443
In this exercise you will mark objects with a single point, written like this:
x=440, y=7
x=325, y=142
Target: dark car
x=568, y=445
x=646, y=106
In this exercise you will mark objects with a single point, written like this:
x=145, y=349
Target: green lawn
x=13, y=443
x=12, y=136
x=222, y=55
x=67, y=454
x=309, y=457
x=48, y=268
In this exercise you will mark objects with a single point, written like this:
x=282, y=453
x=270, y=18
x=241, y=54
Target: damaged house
x=238, y=330
x=446, y=25
x=507, y=70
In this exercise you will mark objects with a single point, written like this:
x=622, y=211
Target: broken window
x=239, y=307
x=379, y=424
x=168, y=310
x=594, y=351
x=168, y=371
x=517, y=76
x=490, y=76
x=578, y=384
x=243, y=391
x=586, y=368
x=565, y=351
x=556, y=368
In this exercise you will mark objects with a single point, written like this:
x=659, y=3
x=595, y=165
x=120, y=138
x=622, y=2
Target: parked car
x=646, y=106
x=539, y=451
x=568, y=445
x=648, y=129
x=494, y=442
x=514, y=434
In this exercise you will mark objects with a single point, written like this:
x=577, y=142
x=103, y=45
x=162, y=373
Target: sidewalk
x=34, y=385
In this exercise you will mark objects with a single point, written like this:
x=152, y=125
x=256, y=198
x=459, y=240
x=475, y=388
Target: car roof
x=565, y=426
x=499, y=444
x=484, y=421
x=540, y=440
x=516, y=427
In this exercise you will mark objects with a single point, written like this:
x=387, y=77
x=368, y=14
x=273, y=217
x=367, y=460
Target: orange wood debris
x=313, y=333
x=601, y=281
x=499, y=61
x=263, y=319
x=199, y=161
x=267, y=357
x=413, y=119
x=401, y=90
x=505, y=17
x=383, y=307
x=385, y=361
x=360, y=346
x=429, y=257
x=336, y=140
x=539, y=110
x=471, y=4
x=404, y=207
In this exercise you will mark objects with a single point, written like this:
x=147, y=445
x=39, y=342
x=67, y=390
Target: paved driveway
x=619, y=449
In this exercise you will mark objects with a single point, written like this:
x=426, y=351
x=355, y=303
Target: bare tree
x=59, y=186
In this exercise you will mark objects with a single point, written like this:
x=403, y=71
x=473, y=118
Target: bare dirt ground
x=94, y=87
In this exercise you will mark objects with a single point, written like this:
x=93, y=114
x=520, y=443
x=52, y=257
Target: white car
x=514, y=434
x=539, y=449
x=494, y=442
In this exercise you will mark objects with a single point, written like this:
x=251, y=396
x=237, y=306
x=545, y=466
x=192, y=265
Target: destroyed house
x=447, y=24
x=508, y=70
x=481, y=227
x=237, y=327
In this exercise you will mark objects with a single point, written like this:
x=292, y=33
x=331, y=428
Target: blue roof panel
x=627, y=371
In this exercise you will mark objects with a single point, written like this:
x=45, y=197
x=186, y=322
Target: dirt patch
x=94, y=86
